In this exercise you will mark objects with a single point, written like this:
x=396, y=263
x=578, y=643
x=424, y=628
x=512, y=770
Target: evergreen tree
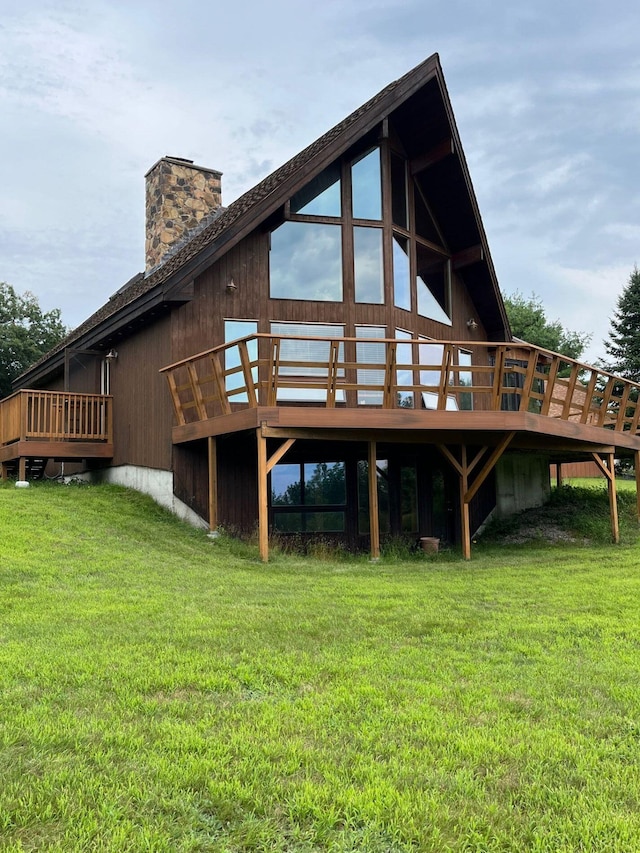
x=623, y=346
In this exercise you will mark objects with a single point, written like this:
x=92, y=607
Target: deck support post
x=637, y=469
x=559, y=482
x=467, y=493
x=263, y=506
x=374, y=522
x=609, y=472
x=22, y=468
x=464, y=505
x=4, y=471
x=212, y=452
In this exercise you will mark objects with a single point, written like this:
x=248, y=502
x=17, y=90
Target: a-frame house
x=329, y=355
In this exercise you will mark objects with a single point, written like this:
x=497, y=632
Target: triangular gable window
x=321, y=196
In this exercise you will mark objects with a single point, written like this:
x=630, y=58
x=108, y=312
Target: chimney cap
x=183, y=161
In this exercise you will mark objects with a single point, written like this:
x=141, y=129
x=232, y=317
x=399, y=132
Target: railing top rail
x=465, y=344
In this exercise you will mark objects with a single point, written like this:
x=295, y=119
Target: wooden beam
x=466, y=257
x=452, y=459
x=637, y=467
x=213, y=482
x=374, y=522
x=613, y=500
x=263, y=506
x=245, y=361
x=609, y=472
x=280, y=452
x=489, y=465
x=464, y=506
x=438, y=152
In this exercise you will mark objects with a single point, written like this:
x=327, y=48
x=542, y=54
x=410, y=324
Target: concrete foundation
x=150, y=481
x=522, y=481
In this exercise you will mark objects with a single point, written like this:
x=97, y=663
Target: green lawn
x=161, y=691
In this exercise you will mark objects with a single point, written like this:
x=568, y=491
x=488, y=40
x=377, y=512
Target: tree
x=623, y=346
x=26, y=333
x=529, y=322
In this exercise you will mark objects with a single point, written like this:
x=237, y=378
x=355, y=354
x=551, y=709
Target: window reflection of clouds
x=428, y=305
x=401, y=277
x=366, y=187
x=321, y=196
x=369, y=277
x=234, y=329
x=306, y=262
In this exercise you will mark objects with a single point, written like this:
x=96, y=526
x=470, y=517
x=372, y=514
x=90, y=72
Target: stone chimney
x=179, y=195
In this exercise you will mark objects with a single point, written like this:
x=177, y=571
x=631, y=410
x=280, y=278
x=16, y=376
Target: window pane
x=432, y=284
x=369, y=278
x=431, y=355
x=306, y=262
x=287, y=522
x=311, y=348
x=370, y=353
x=320, y=197
x=404, y=375
x=286, y=485
x=399, y=191
x=366, y=187
x=323, y=522
x=401, y=278
x=465, y=377
x=324, y=483
x=234, y=329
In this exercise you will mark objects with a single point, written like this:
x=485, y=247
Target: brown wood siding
x=142, y=411
x=190, y=476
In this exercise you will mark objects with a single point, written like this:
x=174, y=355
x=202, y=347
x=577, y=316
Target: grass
x=161, y=691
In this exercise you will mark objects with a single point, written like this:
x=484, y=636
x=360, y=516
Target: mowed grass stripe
x=162, y=691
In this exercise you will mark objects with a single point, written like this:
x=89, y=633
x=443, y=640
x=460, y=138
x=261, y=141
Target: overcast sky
x=546, y=97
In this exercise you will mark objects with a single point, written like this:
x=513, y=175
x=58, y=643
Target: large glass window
x=431, y=357
x=321, y=196
x=465, y=377
x=307, y=383
x=233, y=330
x=401, y=275
x=370, y=352
x=399, y=205
x=404, y=360
x=308, y=497
x=433, y=285
x=366, y=187
x=369, y=275
x=306, y=262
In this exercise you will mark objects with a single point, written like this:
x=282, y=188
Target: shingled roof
x=200, y=250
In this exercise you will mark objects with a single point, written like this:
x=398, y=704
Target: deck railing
x=55, y=416
x=269, y=370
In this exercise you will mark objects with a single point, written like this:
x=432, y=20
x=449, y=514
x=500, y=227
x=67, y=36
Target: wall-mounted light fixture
x=471, y=324
x=231, y=286
x=111, y=355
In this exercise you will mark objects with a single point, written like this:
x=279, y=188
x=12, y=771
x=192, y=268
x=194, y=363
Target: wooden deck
x=54, y=425
x=548, y=399
x=388, y=390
